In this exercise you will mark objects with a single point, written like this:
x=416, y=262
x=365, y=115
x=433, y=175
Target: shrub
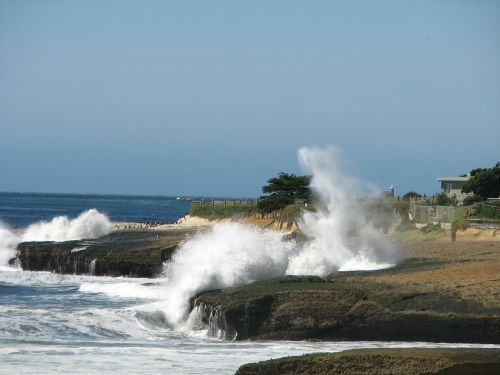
x=490, y=210
x=443, y=200
x=472, y=199
x=411, y=195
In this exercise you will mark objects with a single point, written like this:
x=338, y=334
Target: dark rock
x=348, y=308
x=121, y=253
x=384, y=361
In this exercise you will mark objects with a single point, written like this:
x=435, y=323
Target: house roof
x=453, y=179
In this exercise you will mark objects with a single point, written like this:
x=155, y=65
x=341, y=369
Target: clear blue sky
x=214, y=97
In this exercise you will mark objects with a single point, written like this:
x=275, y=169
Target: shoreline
x=183, y=222
x=435, y=276
x=440, y=291
x=441, y=284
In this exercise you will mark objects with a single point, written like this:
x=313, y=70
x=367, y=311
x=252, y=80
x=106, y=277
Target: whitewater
x=88, y=325
x=232, y=254
x=51, y=323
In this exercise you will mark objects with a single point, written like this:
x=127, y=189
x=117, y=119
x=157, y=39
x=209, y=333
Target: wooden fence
x=231, y=202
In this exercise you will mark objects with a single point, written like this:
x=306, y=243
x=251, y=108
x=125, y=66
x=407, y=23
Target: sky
x=215, y=97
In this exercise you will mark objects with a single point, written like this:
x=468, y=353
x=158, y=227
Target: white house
x=452, y=186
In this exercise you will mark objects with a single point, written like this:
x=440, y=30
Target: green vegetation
x=443, y=200
x=418, y=235
x=471, y=199
x=284, y=190
x=402, y=207
x=484, y=182
x=432, y=228
x=382, y=361
x=490, y=210
x=214, y=212
x=288, y=214
x=411, y=195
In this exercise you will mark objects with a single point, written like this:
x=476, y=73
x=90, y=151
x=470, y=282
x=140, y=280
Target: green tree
x=484, y=182
x=411, y=195
x=284, y=190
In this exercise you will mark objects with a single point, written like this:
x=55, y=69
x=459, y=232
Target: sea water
x=53, y=323
x=18, y=210
x=93, y=325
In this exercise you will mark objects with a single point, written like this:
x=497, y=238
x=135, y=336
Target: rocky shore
x=442, y=291
x=134, y=253
x=132, y=249
x=384, y=361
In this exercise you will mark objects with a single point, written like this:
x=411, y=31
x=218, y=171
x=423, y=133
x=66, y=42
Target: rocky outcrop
x=121, y=253
x=422, y=299
x=295, y=308
x=214, y=319
x=384, y=361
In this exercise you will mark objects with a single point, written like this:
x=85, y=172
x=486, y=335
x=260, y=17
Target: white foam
x=8, y=244
x=78, y=249
x=341, y=236
x=11, y=275
x=232, y=254
x=361, y=262
x=10, y=269
x=229, y=254
x=89, y=224
x=122, y=289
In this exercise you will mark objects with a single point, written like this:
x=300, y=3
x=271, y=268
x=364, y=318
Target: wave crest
x=229, y=254
x=89, y=224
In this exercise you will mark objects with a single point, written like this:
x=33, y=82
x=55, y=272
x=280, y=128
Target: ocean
x=19, y=210
x=77, y=324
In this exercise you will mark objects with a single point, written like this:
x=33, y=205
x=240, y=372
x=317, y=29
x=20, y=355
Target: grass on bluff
x=215, y=212
x=289, y=214
x=487, y=210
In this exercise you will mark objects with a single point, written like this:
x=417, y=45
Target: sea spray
x=8, y=244
x=89, y=224
x=341, y=237
x=231, y=254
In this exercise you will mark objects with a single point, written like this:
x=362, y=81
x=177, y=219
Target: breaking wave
x=232, y=254
x=229, y=254
x=8, y=244
x=89, y=224
x=339, y=238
